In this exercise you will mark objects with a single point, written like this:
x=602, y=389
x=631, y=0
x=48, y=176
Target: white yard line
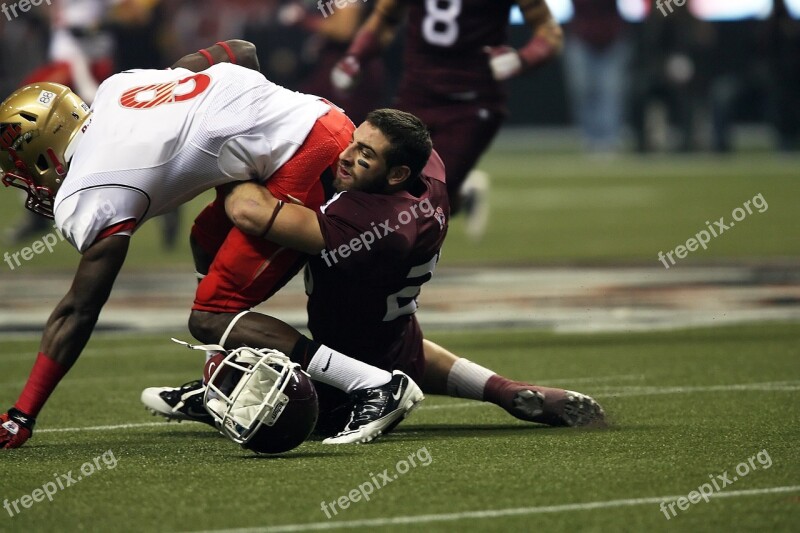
x=495, y=513
x=773, y=386
x=102, y=428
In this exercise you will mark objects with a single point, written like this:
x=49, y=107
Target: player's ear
x=398, y=175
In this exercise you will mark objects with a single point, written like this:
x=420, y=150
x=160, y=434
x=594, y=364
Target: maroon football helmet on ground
x=261, y=400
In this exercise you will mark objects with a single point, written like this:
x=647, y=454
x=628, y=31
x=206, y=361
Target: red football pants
x=247, y=270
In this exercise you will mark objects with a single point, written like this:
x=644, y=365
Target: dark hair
x=408, y=136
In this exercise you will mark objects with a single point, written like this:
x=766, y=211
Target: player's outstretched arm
x=374, y=35
x=232, y=51
x=71, y=324
x=546, y=42
x=255, y=211
x=67, y=331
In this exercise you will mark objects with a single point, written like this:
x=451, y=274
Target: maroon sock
x=45, y=375
x=500, y=391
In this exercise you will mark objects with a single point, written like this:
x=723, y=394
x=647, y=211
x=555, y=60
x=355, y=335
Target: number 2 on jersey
x=150, y=96
x=404, y=301
x=440, y=26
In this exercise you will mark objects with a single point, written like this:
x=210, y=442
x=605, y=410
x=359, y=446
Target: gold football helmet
x=38, y=124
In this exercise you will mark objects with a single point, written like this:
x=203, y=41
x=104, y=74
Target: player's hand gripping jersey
x=158, y=138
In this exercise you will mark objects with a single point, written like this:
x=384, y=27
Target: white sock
x=467, y=380
x=338, y=370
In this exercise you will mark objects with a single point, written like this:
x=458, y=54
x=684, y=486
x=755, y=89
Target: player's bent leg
x=250, y=329
x=458, y=377
x=208, y=233
x=438, y=363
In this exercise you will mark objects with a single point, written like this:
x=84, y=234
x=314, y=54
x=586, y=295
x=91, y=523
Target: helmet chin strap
x=232, y=323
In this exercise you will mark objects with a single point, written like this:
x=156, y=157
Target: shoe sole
x=528, y=404
x=409, y=402
x=581, y=410
x=578, y=409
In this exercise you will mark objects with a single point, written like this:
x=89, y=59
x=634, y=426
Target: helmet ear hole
x=41, y=163
x=28, y=116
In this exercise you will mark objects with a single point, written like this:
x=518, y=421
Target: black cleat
x=377, y=411
x=178, y=403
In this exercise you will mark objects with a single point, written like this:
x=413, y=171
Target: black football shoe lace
x=174, y=397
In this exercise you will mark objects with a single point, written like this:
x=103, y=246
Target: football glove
x=507, y=62
x=504, y=62
x=345, y=74
x=291, y=14
x=15, y=428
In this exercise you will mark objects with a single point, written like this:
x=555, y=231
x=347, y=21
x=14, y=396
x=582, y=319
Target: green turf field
x=684, y=406
x=565, y=208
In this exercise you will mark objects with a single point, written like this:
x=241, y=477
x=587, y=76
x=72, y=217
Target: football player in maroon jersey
x=372, y=246
x=456, y=58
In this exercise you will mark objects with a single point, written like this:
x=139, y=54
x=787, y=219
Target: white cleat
x=475, y=203
x=178, y=403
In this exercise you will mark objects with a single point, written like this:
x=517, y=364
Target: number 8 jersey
x=444, y=48
x=158, y=138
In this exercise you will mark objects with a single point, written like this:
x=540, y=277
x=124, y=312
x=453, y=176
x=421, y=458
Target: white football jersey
x=158, y=138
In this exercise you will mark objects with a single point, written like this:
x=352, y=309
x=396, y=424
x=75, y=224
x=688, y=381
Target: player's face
x=362, y=166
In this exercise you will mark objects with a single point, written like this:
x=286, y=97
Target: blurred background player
x=330, y=34
x=455, y=61
x=596, y=54
x=670, y=71
x=783, y=52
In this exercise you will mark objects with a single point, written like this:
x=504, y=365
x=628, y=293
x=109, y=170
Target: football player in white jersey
x=156, y=139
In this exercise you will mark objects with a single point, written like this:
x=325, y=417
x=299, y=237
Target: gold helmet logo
x=38, y=124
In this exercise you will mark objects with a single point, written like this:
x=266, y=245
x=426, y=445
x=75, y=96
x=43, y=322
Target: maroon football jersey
x=444, y=47
x=379, y=250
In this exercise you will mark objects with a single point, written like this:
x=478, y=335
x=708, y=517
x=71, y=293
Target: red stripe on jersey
x=125, y=225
